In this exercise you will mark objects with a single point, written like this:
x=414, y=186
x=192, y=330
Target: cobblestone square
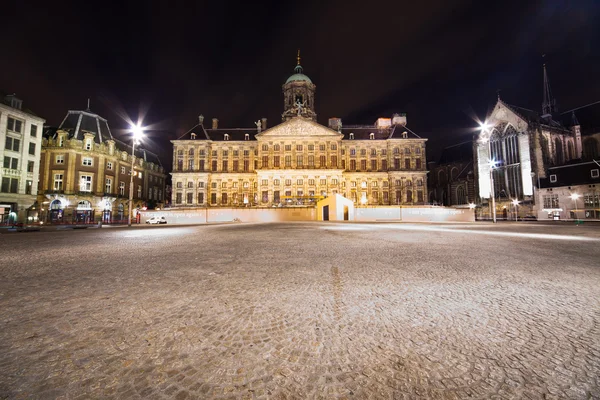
x=302, y=311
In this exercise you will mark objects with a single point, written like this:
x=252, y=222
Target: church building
x=298, y=162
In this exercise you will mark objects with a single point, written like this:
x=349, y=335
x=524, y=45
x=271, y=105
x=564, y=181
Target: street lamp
x=515, y=203
x=138, y=134
x=574, y=197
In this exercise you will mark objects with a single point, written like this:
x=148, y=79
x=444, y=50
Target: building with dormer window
x=299, y=161
x=85, y=173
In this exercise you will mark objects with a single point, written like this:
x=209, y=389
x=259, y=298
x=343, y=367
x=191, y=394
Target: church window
x=461, y=197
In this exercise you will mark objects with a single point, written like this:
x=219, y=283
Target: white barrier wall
x=378, y=213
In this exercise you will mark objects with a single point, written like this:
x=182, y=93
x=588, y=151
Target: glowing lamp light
x=472, y=205
x=575, y=196
x=493, y=163
x=515, y=202
x=484, y=126
x=138, y=131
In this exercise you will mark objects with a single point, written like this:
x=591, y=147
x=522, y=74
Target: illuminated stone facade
x=299, y=161
x=85, y=173
x=524, y=145
x=20, y=143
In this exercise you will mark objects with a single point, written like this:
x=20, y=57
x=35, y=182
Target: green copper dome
x=298, y=76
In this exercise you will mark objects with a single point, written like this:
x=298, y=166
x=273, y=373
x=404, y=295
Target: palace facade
x=299, y=161
x=86, y=173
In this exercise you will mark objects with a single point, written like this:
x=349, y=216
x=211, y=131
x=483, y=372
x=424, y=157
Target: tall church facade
x=299, y=161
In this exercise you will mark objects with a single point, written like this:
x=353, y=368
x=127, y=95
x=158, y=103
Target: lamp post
x=515, y=203
x=138, y=133
x=574, y=197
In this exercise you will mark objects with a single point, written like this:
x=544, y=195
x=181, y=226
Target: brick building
x=85, y=173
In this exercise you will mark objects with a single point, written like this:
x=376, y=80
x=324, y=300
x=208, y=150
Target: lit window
x=371, y=136
x=58, y=181
x=246, y=136
x=595, y=173
x=85, y=184
x=553, y=178
x=351, y=136
x=226, y=136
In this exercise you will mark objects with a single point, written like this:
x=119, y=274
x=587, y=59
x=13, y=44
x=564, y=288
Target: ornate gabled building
x=85, y=173
x=299, y=161
x=516, y=148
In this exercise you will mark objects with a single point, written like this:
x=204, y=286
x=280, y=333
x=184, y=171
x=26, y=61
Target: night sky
x=440, y=62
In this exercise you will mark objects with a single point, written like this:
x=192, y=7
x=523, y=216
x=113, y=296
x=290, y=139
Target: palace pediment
x=298, y=127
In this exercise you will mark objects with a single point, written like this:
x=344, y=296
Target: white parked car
x=156, y=220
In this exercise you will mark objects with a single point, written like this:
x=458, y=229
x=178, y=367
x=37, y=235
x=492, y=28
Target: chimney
x=201, y=120
x=335, y=124
x=399, y=119
x=264, y=123
x=215, y=124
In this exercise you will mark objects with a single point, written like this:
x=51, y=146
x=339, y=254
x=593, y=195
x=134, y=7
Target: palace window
x=351, y=136
x=299, y=182
x=276, y=182
x=264, y=182
x=334, y=147
x=108, y=185
x=190, y=185
x=14, y=125
x=85, y=183
x=363, y=165
x=109, y=165
x=288, y=182
x=59, y=159
x=298, y=147
x=226, y=136
x=265, y=147
x=179, y=185
x=321, y=147
x=224, y=185
x=58, y=181
x=288, y=161
x=88, y=144
x=334, y=161
x=323, y=161
x=311, y=182
x=12, y=144
x=352, y=152
x=200, y=198
x=288, y=147
x=276, y=148
x=11, y=163
x=374, y=165
x=299, y=161
x=363, y=152
x=323, y=182
x=311, y=147
x=190, y=198
x=353, y=165
x=30, y=166
x=122, y=188
x=276, y=162
x=213, y=185
x=265, y=162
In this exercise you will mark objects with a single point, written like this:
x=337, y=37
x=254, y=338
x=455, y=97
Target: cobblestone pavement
x=302, y=310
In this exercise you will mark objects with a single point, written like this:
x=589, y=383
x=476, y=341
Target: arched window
x=84, y=205
x=461, y=195
x=56, y=205
x=226, y=136
x=371, y=136
x=351, y=136
x=442, y=178
x=590, y=149
x=453, y=174
x=570, y=150
x=560, y=159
